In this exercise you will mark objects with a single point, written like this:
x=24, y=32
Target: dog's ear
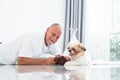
x=83, y=48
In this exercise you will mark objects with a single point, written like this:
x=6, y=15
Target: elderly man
x=32, y=48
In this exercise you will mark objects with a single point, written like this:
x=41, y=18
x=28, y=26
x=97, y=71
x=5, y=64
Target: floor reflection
x=34, y=72
x=37, y=72
x=115, y=73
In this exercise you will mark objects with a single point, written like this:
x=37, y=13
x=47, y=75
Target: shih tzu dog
x=78, y=55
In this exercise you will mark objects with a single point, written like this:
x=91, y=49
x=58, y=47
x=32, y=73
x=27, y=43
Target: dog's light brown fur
x=77, y=53
x=76, y=49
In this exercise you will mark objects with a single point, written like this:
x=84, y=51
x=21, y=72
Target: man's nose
x=54, y=39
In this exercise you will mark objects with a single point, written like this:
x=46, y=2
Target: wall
x=98, y=20
x=21, y=16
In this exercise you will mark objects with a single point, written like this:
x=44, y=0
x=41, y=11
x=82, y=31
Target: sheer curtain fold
x=73, y=20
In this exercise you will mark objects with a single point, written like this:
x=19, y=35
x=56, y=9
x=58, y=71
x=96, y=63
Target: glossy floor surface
x=35, y=72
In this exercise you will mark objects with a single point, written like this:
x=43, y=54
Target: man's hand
x=60, y=60
x=68, y=58
x=50, y=61
x=56, y=59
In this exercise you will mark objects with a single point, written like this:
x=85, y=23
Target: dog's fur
x=78, y=55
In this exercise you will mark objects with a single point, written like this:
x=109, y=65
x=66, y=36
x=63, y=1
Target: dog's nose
x=69, y=50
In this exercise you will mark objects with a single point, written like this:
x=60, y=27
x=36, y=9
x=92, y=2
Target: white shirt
x=29, y=45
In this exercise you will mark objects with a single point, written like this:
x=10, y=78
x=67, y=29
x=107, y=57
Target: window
x=98, y=21
x=115, y=33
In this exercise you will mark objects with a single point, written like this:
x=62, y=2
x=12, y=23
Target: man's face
x=52, y=35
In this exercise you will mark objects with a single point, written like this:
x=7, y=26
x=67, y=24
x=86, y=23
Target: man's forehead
x=55, y=29
x=55, y=32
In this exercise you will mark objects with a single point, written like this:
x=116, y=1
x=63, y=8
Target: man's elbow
x=20, y=60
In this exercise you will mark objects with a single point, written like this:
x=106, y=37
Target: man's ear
x=47, y=29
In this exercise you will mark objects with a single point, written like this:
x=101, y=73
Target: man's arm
x=35, y=61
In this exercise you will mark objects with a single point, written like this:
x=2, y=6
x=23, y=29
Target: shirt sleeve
x=26, y=49
x=46, y=55
x=55, y=50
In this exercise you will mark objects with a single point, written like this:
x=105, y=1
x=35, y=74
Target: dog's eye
x=73, y=49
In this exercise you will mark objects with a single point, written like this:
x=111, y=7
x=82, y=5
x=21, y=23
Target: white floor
x=37, y=72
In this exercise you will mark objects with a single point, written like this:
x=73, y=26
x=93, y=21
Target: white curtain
x=73, y=20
